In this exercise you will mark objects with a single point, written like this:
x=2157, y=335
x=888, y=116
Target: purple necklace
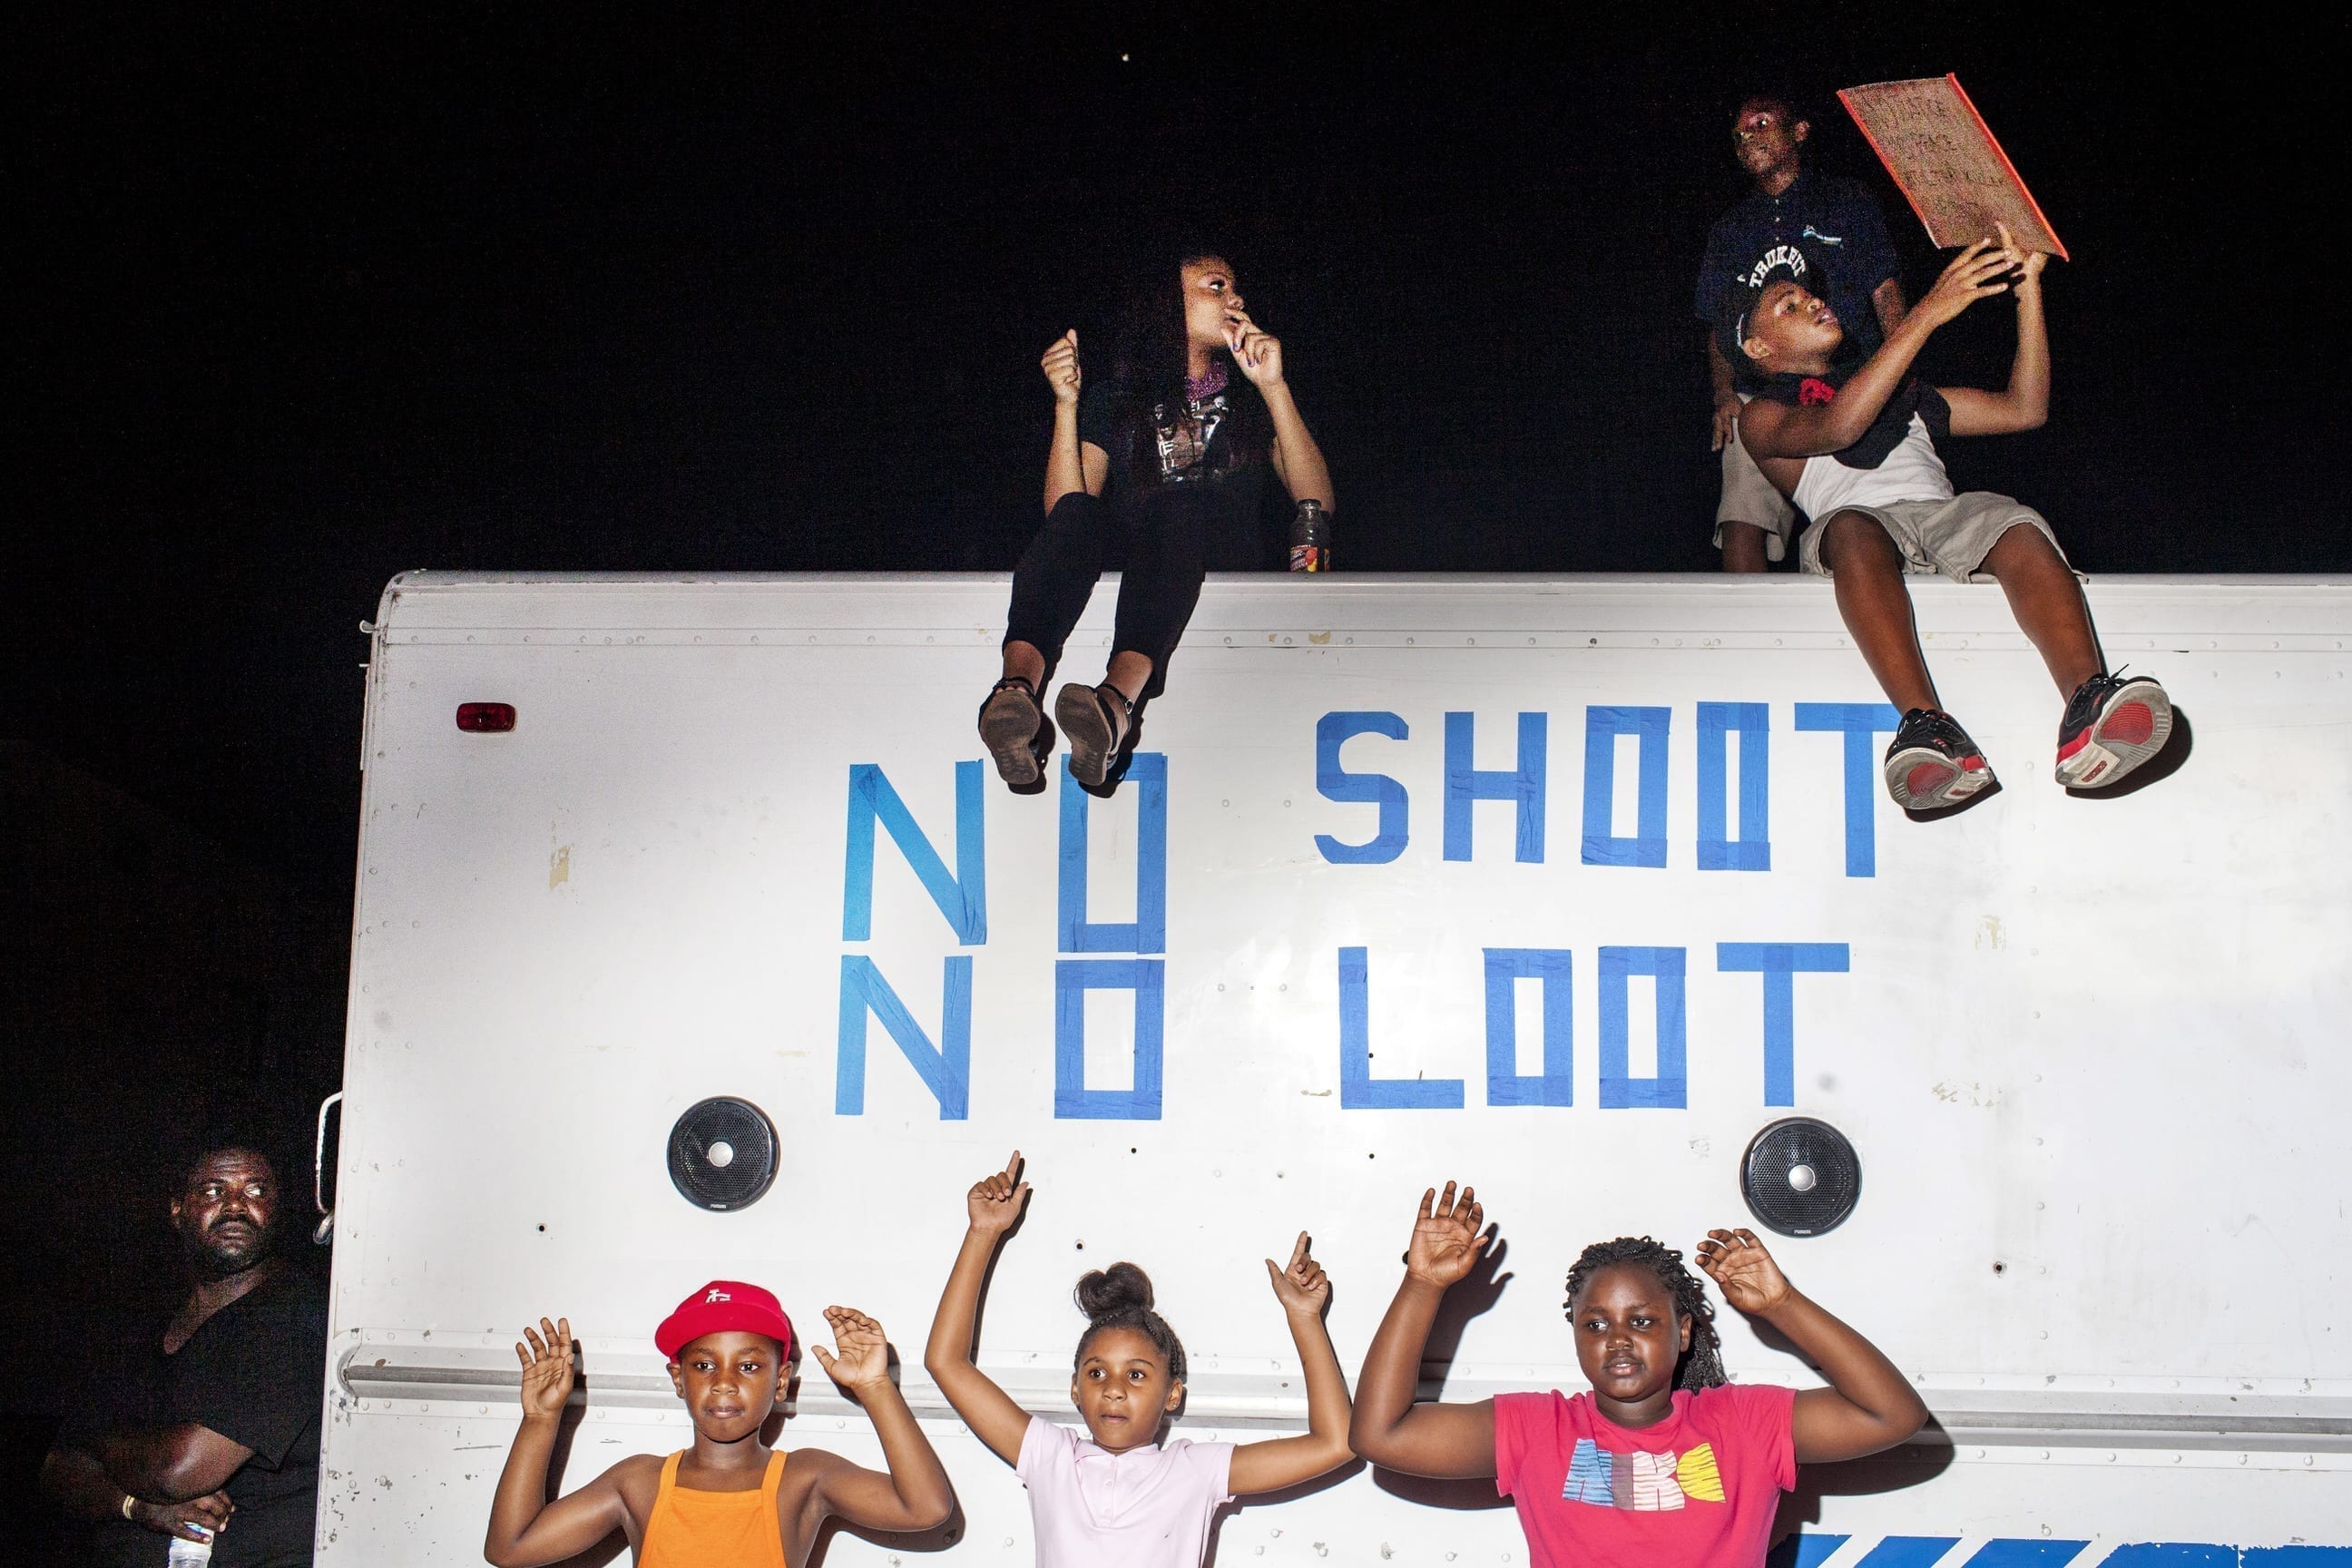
x=1200, y=388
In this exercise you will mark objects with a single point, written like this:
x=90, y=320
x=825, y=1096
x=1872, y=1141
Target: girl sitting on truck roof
x=1120, y=1494
x=1663, y=1462
x=729, y=1501
x=1183, y=448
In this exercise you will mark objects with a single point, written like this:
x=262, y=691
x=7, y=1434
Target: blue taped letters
x=1359, y=1089
x=1601, y=727
x=1778, y=962
x=1669, y=1087
x=1073, y=978
x=961, y=895
x=1718, y=850
x=1522, y=784
x=1333, y=782
x=1554, y=969
x=945, y=1069
x=1148, y=931
x=1863, y=723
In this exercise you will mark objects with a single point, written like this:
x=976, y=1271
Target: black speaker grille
x=722, y=1153
x=1780, y=1198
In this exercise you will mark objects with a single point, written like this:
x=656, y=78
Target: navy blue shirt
x=1835, y=223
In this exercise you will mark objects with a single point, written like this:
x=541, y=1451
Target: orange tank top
x=691, y=1528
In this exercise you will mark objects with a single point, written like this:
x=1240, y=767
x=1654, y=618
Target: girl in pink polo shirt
x=1119, y=1494
x=1663, y=1462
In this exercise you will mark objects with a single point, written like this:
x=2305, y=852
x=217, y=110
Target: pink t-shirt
x=1148, y=1508
x=1699, y=1488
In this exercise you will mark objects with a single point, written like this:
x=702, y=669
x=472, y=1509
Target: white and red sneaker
x=2111, y=726
x=1931, y=762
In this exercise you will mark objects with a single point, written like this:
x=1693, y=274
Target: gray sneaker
x=1931, y=762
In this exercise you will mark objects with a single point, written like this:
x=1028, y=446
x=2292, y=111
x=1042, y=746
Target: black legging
x=1165, y=552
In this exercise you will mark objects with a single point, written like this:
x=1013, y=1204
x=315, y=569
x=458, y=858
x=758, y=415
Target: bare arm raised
x=913, y=1493
x=2024, y=404
x=1867, y=1406
x=1069, y=466
x=525, y=1528
x=1428, y=1439
x=1304, y=1290
x=1773, y=429
x=993, y=1206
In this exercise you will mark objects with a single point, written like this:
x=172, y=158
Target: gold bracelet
x=128, y=1502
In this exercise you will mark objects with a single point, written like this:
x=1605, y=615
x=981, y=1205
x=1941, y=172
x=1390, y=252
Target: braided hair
x=1701, y=1365
x=1119, y=1297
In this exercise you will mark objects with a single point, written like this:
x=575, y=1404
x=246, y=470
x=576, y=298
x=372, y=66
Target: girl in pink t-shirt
x=1119, y=1494
x=1663, y=1462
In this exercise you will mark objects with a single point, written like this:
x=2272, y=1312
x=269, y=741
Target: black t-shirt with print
x=1176, y=463
x=255, y=1371
x=1819, y=221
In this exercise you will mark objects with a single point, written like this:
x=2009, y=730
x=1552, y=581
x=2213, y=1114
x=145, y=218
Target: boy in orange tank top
x=729, y=1501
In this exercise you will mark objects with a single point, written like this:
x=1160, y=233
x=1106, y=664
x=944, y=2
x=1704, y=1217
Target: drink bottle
x=1310, y=538
x=186, y=1553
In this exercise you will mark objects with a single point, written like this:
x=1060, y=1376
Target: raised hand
x=2026, y=264
x=1745, y=1272
x=1447, y=1238
x=861, y=1354
x=994, y=1201
x=547, y=1374
x=1302, y=1287
x=1976, y=273
x=1060, y=364
x=1256, y=350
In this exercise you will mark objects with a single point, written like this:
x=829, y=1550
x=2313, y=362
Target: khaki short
x=1952, y=537
x=1749, y=496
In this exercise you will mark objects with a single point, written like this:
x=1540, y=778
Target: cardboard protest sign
x=1942, y=155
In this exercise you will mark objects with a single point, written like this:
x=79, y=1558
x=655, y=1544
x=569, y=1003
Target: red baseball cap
x=720, y=1307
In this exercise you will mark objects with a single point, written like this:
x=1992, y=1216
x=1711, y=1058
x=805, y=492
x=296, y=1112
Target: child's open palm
x=1746, y=1273
x=994, y=1201
x=1447, y=1238
x=547, y=1374
x=861, y=1354
x=1302, y=1287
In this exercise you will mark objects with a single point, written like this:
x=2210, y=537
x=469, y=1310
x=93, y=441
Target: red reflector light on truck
x=485, y=718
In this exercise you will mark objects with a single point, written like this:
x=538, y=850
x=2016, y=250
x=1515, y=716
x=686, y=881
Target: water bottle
x=186, y=1553
x=1310, y=538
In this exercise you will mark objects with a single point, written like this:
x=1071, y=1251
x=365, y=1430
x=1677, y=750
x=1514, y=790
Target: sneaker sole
x=2132, y=728
x=1923, y=779
x=1007, y=726
x=1089, y=732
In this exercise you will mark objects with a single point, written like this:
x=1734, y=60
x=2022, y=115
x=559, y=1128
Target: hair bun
x=1105, y=1292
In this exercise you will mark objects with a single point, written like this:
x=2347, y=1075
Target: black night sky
x=303, y=298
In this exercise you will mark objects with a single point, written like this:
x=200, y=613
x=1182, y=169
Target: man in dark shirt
x=1794, y=219
x=211, y=1421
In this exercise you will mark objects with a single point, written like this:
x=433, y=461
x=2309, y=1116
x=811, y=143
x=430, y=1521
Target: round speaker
x=1800, y=1177
x=722, y=1153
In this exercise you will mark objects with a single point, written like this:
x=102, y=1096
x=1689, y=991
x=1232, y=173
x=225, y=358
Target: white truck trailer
x=1567, y=888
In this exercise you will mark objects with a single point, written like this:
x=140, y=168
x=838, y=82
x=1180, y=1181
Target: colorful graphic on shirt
x=1641, y=1483
x=1184, y=434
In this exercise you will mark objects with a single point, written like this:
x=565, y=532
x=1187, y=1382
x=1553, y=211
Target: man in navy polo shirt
x=1803, y=221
